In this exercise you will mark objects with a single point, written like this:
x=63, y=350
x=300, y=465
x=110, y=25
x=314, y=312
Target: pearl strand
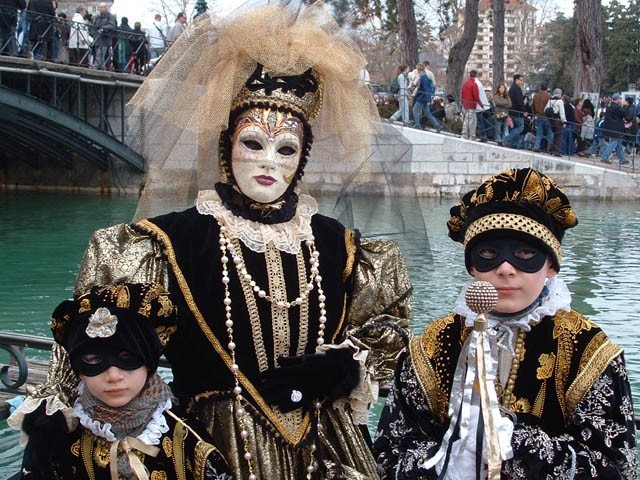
x=244, y=276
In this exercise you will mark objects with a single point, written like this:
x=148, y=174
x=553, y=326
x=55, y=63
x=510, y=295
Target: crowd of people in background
x=34, y=29
x=546, y=120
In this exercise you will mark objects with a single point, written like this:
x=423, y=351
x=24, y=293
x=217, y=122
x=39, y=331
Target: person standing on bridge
x=8, y=19
x=104, y=26
x=288, y=320
x=42, y=22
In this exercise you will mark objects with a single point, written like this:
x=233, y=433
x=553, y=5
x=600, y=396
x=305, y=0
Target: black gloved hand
x=46, y=434
x=302, y=379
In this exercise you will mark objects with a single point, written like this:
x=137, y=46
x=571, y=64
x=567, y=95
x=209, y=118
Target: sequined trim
x=596, y=365
x=520, y=223
x=206, y=330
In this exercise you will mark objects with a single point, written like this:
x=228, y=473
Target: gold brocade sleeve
x=380, y=308
x=119, y=254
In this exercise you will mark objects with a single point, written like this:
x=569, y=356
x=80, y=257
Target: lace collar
x=151, y=435
x=557, y=298
x=287, y=236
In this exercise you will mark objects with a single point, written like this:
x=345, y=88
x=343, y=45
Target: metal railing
x=15, y=344
x=571, y=144
x=54, y=39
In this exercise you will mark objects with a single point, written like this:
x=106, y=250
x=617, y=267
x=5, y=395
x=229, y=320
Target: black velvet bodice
x=190, y=242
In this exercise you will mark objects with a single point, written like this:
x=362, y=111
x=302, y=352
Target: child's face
x=516, y=288
x=114, y=386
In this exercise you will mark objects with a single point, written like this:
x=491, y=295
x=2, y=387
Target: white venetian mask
x=265, y=153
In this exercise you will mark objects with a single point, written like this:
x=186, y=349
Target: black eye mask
x=90, y=363
x=489, y=254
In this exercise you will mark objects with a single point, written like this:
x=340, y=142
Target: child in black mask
x=121, y=425
x=538, y=391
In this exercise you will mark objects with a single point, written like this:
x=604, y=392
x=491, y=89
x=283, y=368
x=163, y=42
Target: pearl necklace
x=314, y=260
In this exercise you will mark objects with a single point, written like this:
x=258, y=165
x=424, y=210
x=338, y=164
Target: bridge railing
x=44, y=37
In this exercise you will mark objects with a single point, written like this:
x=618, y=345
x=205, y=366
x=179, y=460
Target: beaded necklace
x=228, y=249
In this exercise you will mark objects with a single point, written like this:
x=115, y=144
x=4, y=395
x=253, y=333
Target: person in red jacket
x=470, y=100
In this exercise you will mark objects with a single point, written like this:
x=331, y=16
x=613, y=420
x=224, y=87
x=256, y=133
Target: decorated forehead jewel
x=102, y=324
x=299, y=93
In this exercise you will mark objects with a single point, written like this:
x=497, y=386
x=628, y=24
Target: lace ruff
x=287, y=236
x=151, y=435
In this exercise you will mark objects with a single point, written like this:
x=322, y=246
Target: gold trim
x=200, y=455
x=425, y=374
x=596, y=365
x=213, y=340
x=254, y=316
x=351, y=247
x=179, y=434
x=303, y=311
x=281, y=331
x=87, y=454
x=519, y=223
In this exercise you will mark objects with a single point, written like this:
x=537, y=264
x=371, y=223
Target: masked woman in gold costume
x=288, y=320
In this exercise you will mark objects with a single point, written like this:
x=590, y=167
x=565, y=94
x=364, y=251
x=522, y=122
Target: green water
x=42, y=237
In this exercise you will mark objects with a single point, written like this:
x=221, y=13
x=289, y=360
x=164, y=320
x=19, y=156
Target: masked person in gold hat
x=538, y=391
x=288, y=320
x=122, y=424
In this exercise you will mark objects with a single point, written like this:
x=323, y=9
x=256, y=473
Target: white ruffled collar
x=557, y=298
x=287, y=236
x=151, y=435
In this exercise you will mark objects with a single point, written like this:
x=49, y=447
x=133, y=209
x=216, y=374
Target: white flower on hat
x=101, y=324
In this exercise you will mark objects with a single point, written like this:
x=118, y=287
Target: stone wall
x=437, y=165
x=448, y=166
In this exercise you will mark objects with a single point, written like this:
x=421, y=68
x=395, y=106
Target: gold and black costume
x=569, y=394
x=180, y=455
x=523, y=389
x=260, y=283
x=368, y=288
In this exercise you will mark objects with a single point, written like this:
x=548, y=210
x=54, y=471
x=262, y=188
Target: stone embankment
x=437, y=165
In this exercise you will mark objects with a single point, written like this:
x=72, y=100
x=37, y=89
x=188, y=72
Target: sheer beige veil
x=183, y=106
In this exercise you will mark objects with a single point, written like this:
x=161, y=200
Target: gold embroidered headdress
x=184, y=105
x=524, y=202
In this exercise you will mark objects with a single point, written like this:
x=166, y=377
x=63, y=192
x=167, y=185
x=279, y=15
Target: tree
x=558, y=68
x=459, y=53
x=621, y=46
x=171, y=8
x=408, y=32
x=498, y=42
x=588, y=76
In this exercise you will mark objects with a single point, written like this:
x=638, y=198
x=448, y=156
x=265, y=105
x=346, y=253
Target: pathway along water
x=43, y=235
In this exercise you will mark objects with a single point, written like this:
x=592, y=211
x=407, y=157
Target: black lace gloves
x=301, y=380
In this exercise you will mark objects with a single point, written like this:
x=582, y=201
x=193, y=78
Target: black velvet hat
x=521, y=202
x=138, y=317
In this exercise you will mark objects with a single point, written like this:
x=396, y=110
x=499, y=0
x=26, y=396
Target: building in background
x=520, y=40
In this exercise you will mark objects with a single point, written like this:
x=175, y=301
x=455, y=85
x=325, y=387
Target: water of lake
x=43, y=235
